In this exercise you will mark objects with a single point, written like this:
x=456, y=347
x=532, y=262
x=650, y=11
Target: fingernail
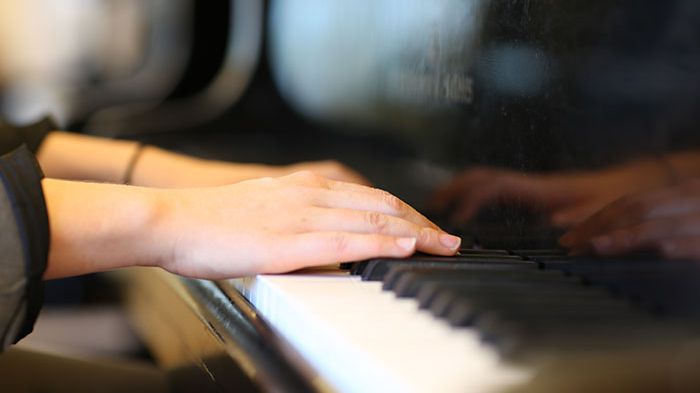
x=602, y=243
x=449, y=241
x=406, y=243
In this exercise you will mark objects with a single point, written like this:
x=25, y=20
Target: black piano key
x=517, y=344
x=551, y=315
x=357, y=268
x=429, y=290
x=377, y=268
x=413, y=275
x=542, y=253
x=482, y=251
x=444, y=297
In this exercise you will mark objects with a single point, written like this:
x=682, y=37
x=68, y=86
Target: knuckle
x=392, y=202
x=427, y=236
x=307, y=176
x=340, y=244
x=377, y=221
x=267, y=181
x=333, y=165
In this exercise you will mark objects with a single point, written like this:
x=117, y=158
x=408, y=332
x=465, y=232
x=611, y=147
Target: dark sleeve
x=24, y=244
x=12, y=137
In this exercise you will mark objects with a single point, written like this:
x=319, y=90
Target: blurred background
x=409, y=92
x=444, y=84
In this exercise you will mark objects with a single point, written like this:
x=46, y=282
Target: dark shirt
x=24, y=228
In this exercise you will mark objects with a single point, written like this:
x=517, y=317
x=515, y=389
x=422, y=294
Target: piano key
x=523, y=303
x=429, y=290
x=376, y=269
x=547, y=252
x=553, y=315
x=358, y=268
x=483, y=251
x=359, y=338
x=411, y=275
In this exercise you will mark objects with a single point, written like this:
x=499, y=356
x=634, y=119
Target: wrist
x=99, y=227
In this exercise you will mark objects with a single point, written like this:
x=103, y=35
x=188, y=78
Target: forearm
x=98, y=227
x=64, y=155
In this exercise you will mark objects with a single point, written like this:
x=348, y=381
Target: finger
x=628, y=211
x=371, y=199
x=472, y=202
x=573, y=215
x=323, y=248
x=506, y=189
x=681, y=248
x=428, y=239
x=624, y=211
x=647, y=235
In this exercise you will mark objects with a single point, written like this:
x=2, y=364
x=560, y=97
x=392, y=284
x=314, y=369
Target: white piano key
x=362, y=339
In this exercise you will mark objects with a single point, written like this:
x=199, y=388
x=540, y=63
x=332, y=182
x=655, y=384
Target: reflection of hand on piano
x=276, y=225
x=665, y=220
x=568, y=198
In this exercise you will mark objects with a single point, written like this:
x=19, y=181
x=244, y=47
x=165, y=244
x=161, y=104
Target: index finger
x=359, y=197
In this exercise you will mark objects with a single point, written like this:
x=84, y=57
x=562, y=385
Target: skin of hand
x=266, y=225
x=160, y=168
x=666, y=220
x=568, y=198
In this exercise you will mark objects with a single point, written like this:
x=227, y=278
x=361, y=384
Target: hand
x=160, y=168
x=329, y=169
x=267, y=225
x=568, y=198
x=665, y=220
x=275, y=225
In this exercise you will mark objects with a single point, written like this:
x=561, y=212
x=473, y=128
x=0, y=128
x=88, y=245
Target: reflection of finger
x=573, y=215
x=322, y=248
x=636, y=237
x=650, y=234
x=632, y=210
x=346, y=220
x=506, y=188
x=470, y=203
x=372, y=200
x=458, y=188
x=615, y=215
x=681, y=248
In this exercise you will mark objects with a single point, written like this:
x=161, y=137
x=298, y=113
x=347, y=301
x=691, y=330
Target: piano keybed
x=484, y=320
x=530, y=302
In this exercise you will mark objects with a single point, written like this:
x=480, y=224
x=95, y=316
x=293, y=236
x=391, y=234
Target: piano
x=414, y=92
x=484, y=321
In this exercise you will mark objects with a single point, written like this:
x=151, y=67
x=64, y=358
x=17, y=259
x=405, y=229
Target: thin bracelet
x=132, y=163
